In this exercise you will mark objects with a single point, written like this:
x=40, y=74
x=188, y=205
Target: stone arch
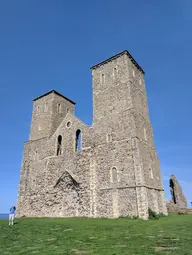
x=68, y=189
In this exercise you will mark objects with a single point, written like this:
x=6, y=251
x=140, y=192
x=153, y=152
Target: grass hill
x=44, y=236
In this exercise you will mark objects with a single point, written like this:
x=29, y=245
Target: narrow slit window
x=59, y=145
x=109, y=138
x=38, y=108
x=115, y=72
x=45, y=107
x=145, y=134
x=59, y=108
x=151, y=173
x=36, y=155
x=114, y=175
x=78, y=140
x=102, y=78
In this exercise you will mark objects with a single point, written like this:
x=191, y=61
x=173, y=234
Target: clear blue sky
x=51, y=44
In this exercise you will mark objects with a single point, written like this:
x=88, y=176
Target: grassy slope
x=169, y=235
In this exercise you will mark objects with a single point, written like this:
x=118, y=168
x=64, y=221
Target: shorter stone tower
x=110, y=169
x=48, y=112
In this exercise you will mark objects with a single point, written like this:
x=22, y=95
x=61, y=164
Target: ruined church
x=108, y=169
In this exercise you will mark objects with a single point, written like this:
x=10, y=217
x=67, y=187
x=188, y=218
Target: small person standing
x=12, y=215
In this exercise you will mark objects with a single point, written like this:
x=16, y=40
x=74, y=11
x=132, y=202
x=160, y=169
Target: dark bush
x=154, y=216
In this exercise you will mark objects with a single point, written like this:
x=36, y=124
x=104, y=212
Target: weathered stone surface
x=178, y=201
x=116, y=172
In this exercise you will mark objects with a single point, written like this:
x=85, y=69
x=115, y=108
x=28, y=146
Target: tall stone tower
x=109, y=169
x=124, y=135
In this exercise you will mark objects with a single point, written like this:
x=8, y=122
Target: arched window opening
x=59, y=145
x=78, y=140
x=114, y=175
x=59, y=108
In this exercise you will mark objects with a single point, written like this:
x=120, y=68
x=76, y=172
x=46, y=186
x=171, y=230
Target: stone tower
x=121, y=122
x=115, y=173
x=48, y=112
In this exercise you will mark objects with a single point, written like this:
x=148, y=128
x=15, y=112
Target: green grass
x=169, y=235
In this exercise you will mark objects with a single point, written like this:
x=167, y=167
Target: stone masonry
x=178, y=202
x=109, y=169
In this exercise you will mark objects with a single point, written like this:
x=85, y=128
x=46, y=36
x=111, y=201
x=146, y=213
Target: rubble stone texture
x=115, y=172
x=178, y=198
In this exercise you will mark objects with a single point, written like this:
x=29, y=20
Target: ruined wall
x=42, y=169
x=178, y=201
x=116, y=173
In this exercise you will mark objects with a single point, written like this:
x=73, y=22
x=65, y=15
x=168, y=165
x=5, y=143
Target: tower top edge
x=125, y=52
x=55, y=92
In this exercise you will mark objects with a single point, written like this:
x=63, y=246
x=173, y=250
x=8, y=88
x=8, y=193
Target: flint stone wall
x=117, y=171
